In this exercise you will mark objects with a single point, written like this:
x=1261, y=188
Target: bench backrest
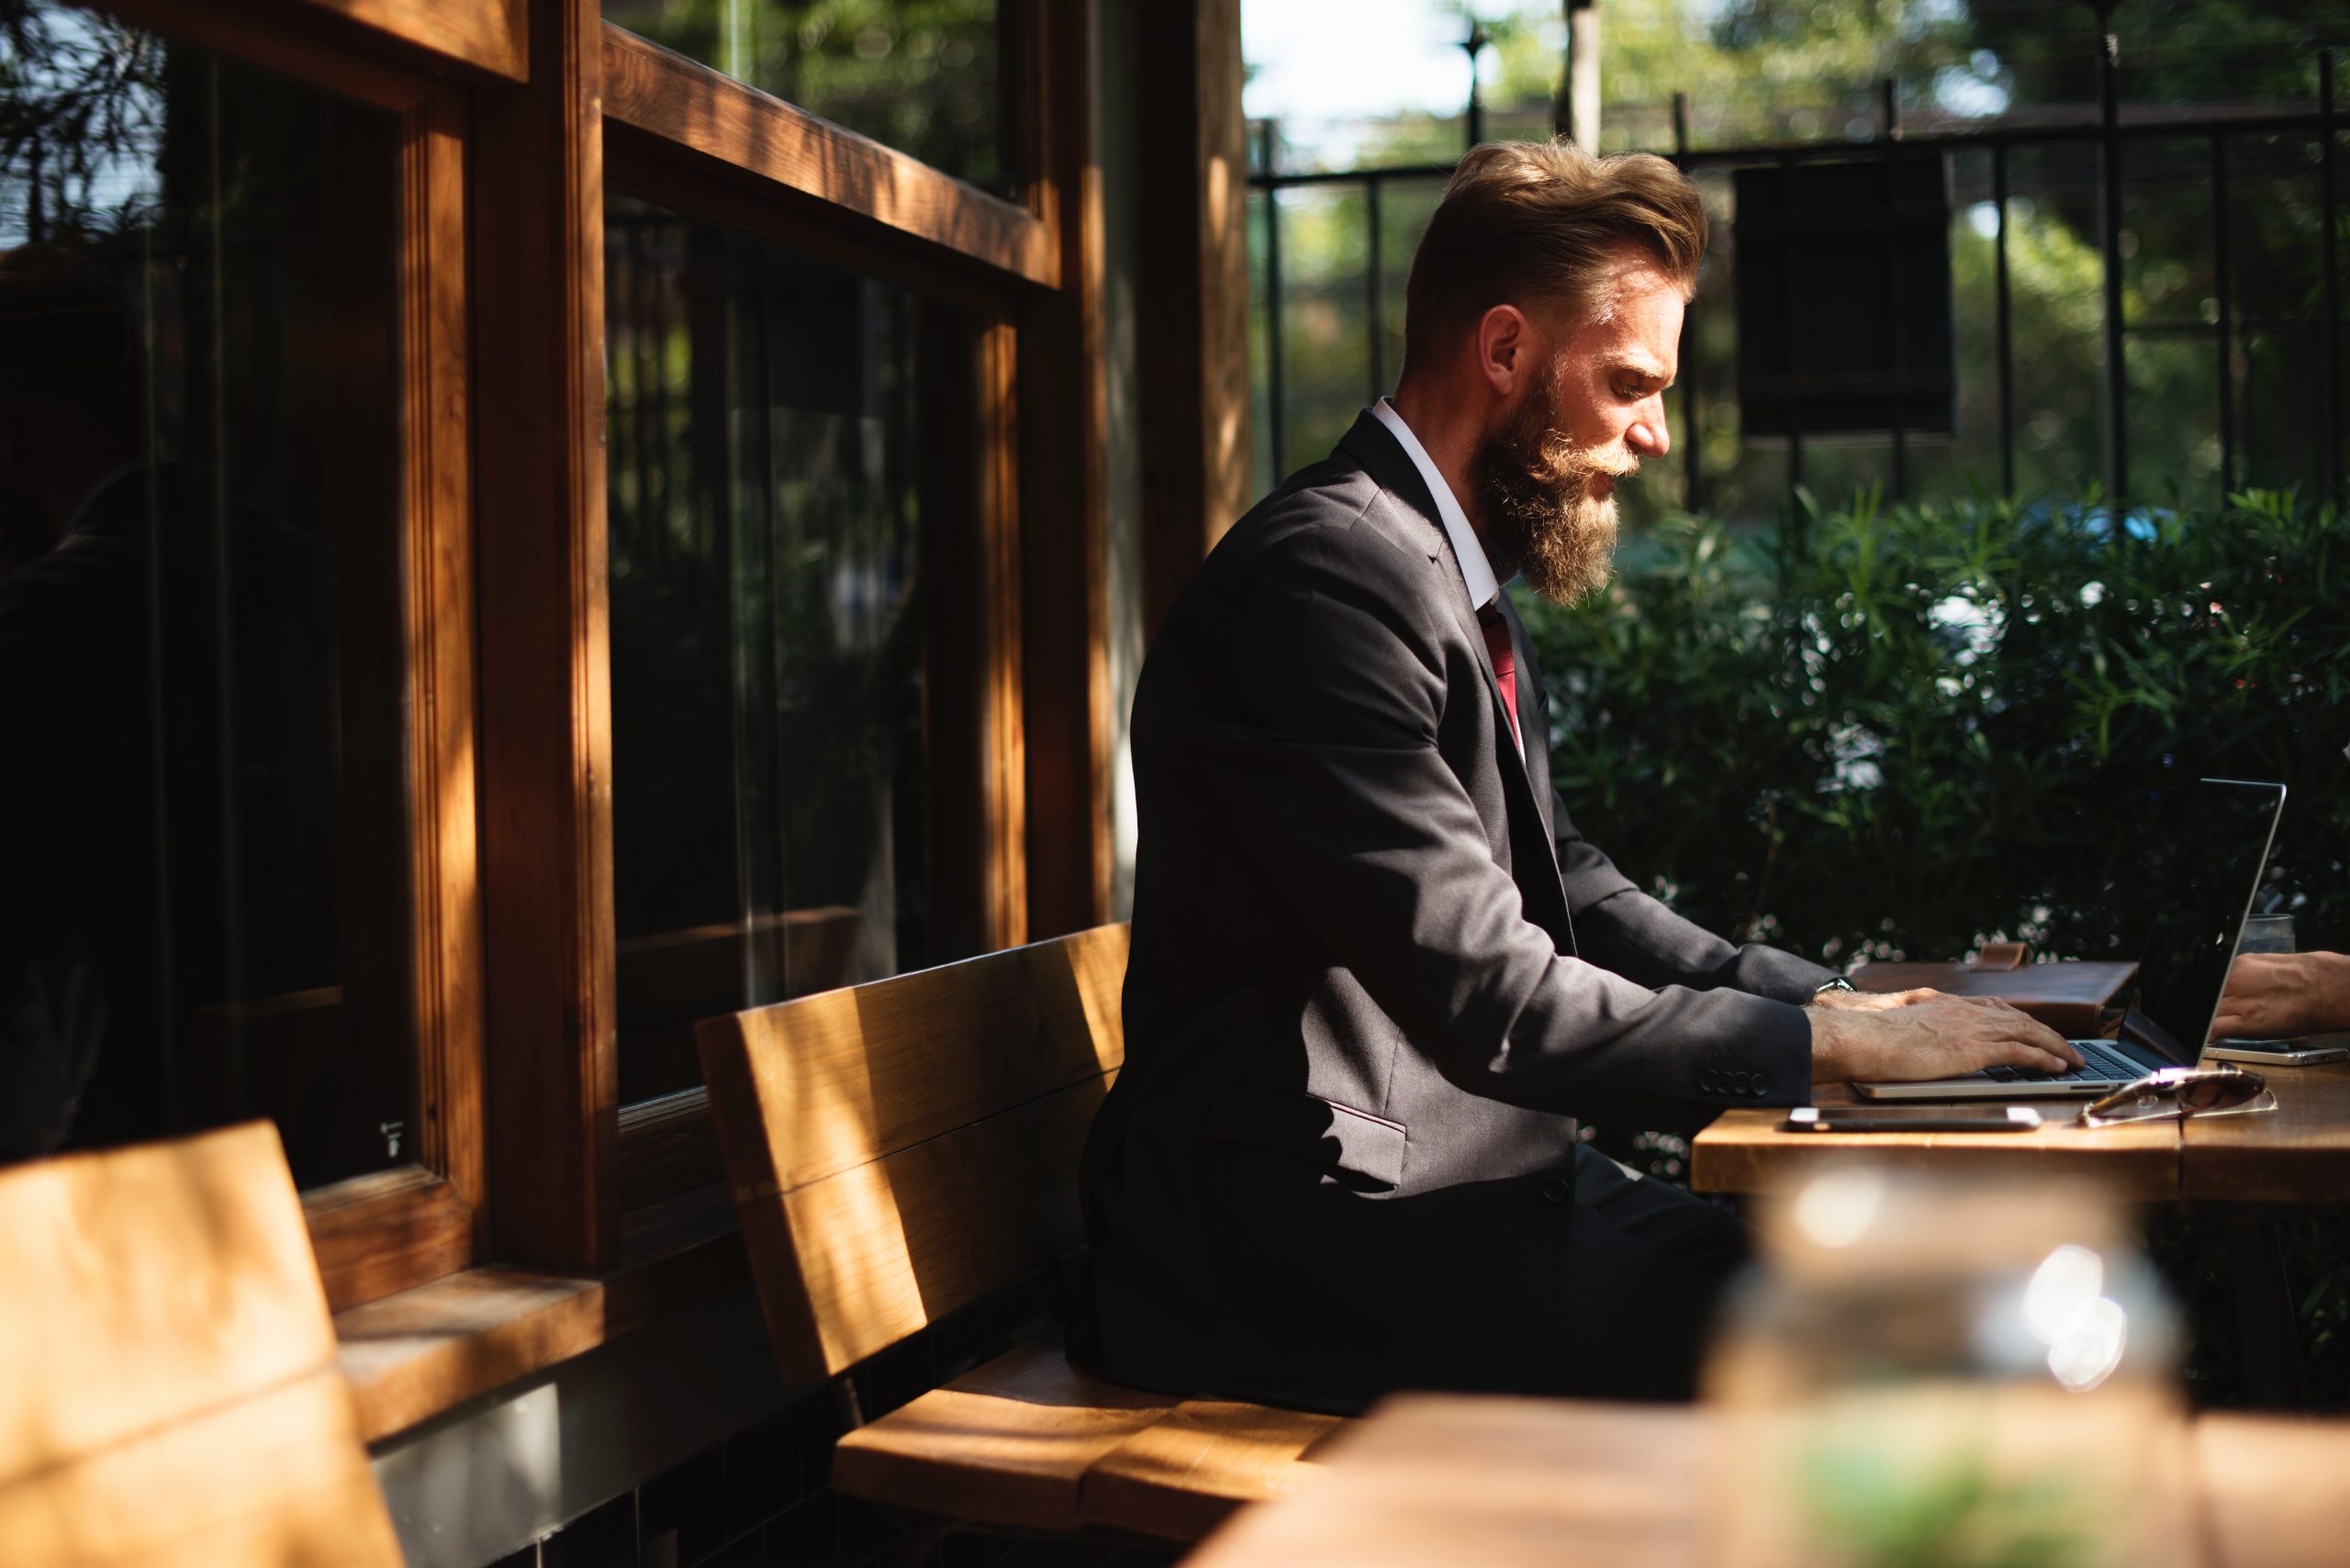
x=169, y=1395
x=907, y=1147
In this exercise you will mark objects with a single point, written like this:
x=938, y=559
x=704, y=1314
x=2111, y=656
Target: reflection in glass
x=917, y=75
x=766, y=631
x=202, y=804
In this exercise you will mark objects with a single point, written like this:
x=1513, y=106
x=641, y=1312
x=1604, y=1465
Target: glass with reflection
x=768, y=631
x=203, y=798
x=917, y=75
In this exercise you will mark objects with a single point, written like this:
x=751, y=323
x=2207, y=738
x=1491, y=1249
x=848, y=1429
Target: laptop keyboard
x=2100, y=1062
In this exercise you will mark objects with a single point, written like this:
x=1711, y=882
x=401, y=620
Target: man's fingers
x=2042, y=1042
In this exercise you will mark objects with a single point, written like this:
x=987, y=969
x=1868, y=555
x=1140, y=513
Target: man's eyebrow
x=1643, y=367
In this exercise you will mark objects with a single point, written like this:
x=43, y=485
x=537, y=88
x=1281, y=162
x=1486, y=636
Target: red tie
x=1505, y=664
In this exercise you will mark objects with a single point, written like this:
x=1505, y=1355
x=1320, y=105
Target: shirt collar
x=1475, y=570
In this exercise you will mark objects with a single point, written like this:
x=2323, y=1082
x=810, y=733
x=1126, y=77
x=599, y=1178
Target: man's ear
x=1504, y=348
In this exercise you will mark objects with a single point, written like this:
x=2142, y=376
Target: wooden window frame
x=384, y=40
x=390, y=1231
x=508, y=110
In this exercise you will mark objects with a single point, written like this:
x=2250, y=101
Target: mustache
x=1563, y=461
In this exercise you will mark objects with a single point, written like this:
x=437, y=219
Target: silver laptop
x=2181, y=973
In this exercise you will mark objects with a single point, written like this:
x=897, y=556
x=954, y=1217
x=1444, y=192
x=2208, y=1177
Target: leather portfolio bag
x=2071, y=996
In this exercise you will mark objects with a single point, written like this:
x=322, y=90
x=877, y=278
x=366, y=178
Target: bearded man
x=1378, y=978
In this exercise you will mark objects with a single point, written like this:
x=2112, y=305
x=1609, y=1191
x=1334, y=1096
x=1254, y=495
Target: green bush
x=1898, y=730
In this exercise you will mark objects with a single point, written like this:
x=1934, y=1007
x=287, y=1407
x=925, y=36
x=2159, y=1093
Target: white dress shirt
x=1475, y=570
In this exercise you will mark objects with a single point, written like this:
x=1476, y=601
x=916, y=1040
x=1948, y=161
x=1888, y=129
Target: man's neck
x=1448, y=432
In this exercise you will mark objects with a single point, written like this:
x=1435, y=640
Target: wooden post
x=1064, y=414
x=1191, y=284
x=546, y=733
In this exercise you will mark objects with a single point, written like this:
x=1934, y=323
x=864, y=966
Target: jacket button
x=1558, y=1191
x=1758, y=1090
x=1710, y=1081
x=1739, y=1080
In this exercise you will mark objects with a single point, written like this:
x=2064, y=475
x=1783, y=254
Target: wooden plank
x=2298, y=1153
x=545, y=715
x=1744, y=1151
x=1003, y=761
x=1426, y=1480
x=487, y=35
x=376, y=1234
x=850, y=1265
x=1430, y=1480
x=412, y=1356
x=1064, y=415
x=2272, y=1492
x=1191, y=284
x=1183, y=1476
x=149, y=1283
x=167, y=1394
x=300, y=39
x=966, y=474
x=445, y=893
x=806, y=1089
x=801, y=156
x=278, y=1480
x=1009, y=1444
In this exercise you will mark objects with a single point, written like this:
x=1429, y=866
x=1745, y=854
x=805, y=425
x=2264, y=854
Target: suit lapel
x=1370, y=444
x=1526, y=779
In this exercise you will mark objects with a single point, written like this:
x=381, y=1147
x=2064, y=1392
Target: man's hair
x=1530, y=223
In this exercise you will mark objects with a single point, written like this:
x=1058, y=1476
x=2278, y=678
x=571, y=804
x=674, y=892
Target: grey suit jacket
x=1377, y=975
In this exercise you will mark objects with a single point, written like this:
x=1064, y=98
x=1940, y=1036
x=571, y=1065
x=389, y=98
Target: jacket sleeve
x=1621, y=928
x=1323, y=680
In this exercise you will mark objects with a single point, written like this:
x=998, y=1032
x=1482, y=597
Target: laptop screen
x=2198, y=915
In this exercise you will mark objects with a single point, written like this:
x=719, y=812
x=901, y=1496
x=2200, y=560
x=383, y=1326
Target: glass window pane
x=768, y=631
x=203, y=803
x=919, y=75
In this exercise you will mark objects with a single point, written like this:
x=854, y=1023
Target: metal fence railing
x=2104, y=136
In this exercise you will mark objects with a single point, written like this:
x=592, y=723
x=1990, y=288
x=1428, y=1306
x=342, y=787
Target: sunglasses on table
x=2182, y=1092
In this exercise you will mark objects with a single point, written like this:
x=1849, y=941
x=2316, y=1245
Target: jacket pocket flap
x=1309, y=1127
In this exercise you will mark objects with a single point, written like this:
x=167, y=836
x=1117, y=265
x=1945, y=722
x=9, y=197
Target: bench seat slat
x=1183, y=1476
x=1007, y=1444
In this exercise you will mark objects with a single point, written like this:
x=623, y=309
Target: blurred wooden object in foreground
x=168, y=1395
x=1426, y=1480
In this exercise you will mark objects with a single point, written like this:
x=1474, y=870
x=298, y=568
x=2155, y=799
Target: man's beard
x=1541, y=518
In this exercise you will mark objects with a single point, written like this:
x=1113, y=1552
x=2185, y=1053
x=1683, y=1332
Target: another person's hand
x=2279, y=996
x=1942, y=1037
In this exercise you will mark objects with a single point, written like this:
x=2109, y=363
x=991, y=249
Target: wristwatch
x=1838, y=984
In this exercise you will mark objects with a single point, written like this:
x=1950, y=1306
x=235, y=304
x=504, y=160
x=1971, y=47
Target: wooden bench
x=908, y=1148
x=168, y=1395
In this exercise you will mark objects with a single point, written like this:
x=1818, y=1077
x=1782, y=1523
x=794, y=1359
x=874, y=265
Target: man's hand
x=2278, y=996
x=1879, y=1000
x=1937, y=1036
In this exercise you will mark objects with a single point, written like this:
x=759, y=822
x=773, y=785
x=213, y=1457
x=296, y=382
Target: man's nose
x=1649, y=436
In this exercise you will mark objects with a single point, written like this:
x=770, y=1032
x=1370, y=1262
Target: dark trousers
x=1649, y=1262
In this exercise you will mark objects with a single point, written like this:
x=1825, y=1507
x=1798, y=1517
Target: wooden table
x=2298, y=1153
x=1427, y=1480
